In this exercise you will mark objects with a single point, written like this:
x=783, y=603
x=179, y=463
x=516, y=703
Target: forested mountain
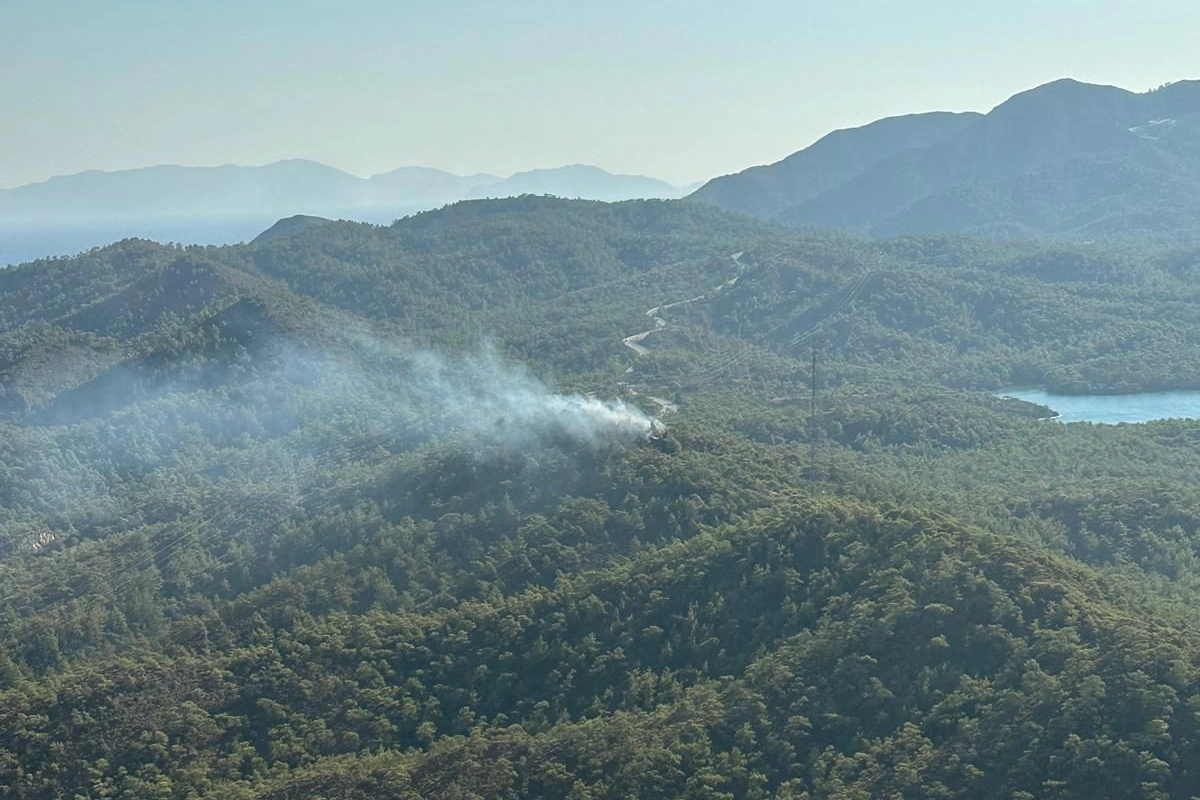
x=827, y=164
x=1067, y=158
x=531, y=498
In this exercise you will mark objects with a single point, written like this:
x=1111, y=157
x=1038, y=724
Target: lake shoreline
x=1111, y=409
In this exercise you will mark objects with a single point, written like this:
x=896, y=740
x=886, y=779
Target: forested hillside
x=1067, y=159
x=532, y=498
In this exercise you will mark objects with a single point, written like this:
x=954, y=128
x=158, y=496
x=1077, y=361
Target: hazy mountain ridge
x=1064, y=158
x=579, y=181
x=227, y=204
x=828, y=163
x=298, y=186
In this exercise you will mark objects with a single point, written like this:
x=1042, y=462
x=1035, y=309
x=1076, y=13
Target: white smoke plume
x=391, y=388
x=290, y=430
x=307, y=409
x=482, y=396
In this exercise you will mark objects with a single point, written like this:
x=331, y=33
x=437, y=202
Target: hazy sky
x=679, y=90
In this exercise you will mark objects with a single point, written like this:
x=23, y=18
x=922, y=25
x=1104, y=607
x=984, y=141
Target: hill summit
x=1066, y=158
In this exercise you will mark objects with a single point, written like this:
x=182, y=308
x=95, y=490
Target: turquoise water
x=1111, y=409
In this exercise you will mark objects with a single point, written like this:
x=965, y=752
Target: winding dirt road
x=634, y=342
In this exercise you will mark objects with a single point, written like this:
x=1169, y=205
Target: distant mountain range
x=297, y=186
x=1066, y=158
x=227, y=204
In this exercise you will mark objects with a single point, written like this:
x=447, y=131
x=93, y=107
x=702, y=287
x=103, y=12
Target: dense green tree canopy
x=275, y=523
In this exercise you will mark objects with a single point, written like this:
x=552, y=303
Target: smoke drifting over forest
x=482, y=396
x=374, y=389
